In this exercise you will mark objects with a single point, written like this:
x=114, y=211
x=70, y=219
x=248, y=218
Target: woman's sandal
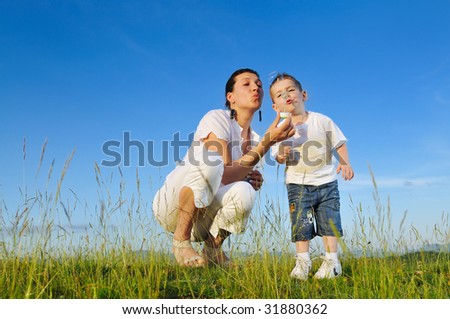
x=216, y=256
x=194, y=261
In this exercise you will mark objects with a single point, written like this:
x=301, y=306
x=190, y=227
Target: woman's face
x=247, y=92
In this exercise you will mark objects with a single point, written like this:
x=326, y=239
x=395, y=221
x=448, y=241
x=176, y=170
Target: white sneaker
x=301, y=269
x=328, y=269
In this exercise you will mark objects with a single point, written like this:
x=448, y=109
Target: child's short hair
x=284, y=76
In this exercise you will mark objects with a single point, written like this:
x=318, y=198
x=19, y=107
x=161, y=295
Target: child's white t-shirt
x=312, y=161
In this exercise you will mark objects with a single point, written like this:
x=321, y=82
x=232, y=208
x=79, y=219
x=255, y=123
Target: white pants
x=226, y=207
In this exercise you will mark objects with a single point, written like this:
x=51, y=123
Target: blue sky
x=80, y=73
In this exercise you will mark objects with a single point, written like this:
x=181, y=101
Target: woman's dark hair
x=284, y=76
x=232, y=80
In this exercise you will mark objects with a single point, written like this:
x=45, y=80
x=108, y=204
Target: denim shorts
x=319, y=205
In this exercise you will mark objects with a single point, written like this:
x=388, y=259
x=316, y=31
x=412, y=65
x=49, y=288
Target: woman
x=211, y=194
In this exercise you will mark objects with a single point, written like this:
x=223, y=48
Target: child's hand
x=283, y=154
x=347, y=171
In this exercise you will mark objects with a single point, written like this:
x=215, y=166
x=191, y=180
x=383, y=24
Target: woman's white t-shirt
x=219, y=123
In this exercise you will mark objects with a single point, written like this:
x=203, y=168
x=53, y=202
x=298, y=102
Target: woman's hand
x=255, y=179
x=277, y=133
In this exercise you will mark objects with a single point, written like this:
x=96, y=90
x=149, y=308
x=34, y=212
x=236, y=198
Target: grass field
x=126, y=275
x=40, y=258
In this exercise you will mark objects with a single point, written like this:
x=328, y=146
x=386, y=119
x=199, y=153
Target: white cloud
x=442, y=100
x=365, y=181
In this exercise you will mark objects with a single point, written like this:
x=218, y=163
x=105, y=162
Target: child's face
x=286, y=96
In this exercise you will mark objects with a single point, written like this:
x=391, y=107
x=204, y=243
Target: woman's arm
x=238, y=170
x=233, y=171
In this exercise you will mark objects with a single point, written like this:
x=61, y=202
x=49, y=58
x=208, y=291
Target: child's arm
x=344, y=163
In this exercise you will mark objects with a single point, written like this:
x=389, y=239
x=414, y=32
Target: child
x=311, y=176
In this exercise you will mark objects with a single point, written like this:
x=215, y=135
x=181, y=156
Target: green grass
x=127, y=275
x=42, y=258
